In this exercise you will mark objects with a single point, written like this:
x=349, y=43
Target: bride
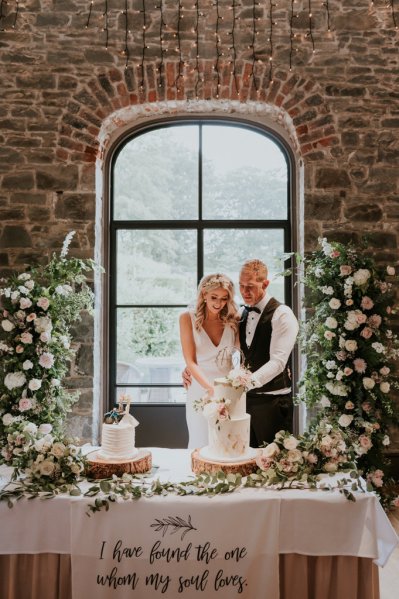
x=204, y=333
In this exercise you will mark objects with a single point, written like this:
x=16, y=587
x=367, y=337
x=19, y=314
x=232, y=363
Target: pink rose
x=367, y=303
x=26, y=337
x=25, y=303
x=345, y=270
x=223, y=412
x=19, y=349
x=341, y=355
x=31, y=317
x=366, y=333
x=366, y=406
x=24, y=404
x=347, y=371
x=360, y=365
x=349, y=302
x=365, y=441
x=374, y=321
x=46, y=360
x=335, y=254
x=360, y=318
x=263, y=462
x=311, y=458
x=43, y=303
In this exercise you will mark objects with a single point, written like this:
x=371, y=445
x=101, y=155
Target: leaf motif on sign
x=173, y=524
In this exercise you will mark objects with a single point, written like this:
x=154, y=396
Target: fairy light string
x=271, y=23
x=89, y=15
x=162, y=26
x=310, y=30
x=126, y=48
x=218, y=50
x=252, y=45
x=179, y=48
x=105, y=27
x=292, y=36
x=233, y=46
x=196, y=31
x=142, y=62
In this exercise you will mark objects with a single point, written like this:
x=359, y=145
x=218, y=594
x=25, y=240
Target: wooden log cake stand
x=100, y=468
x=201, y=465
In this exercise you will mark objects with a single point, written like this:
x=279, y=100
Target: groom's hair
x=255, y=267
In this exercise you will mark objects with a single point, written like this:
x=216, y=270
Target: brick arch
x=111, y=100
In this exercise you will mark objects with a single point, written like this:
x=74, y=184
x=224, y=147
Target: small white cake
x=118, y=440
x=228, y=425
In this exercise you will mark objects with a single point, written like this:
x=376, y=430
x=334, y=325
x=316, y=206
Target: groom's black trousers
x=269, y=414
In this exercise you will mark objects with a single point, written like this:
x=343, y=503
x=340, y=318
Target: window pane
x=225, y=250
x=148, y=346
x=156, y=176
x=153, y=394
x=244, y=175
x=156, y=266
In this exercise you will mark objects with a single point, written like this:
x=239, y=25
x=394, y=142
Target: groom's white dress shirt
x=284, y=332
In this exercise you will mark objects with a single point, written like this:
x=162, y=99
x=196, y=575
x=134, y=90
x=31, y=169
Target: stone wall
x=60, y=86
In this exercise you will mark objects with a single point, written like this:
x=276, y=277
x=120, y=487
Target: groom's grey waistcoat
x=259, y=351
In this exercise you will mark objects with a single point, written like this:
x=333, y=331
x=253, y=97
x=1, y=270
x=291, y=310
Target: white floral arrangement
x=351, y=350
x=37, y=310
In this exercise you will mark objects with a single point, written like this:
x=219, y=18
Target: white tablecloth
x=311, y=522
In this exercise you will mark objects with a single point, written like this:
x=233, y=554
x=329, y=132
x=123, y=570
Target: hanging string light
x=105, y=27
x=144, y=29
x=218, y=49
x=178, y=49
x=310, y=30
x=252, y=45
x=391, y=3
x=292, y=35
x=196, y=31
x=233, y=47
x=89, y=15
x=270, y=40
x=162, y=50
x=328, y=15
x=126, y=48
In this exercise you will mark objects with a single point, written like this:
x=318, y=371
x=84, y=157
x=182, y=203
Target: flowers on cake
x=37, y=310
x=240, y=377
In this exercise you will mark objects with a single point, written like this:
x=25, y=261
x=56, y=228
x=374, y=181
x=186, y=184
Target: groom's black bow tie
x=252, y=309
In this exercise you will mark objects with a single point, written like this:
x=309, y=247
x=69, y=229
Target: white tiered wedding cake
x=228, y=424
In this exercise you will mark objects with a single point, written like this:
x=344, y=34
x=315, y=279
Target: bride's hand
x=210, y=391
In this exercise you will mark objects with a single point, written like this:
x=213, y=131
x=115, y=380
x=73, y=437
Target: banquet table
x=326, y=546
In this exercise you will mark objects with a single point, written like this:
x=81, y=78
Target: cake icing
x=118, y=439
x=228, y=424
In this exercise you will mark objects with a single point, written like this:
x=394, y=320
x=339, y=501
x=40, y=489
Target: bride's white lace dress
x=208, y=359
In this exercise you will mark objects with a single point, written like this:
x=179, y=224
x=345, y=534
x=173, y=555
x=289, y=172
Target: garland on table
x=351, y=352
x=38, y=308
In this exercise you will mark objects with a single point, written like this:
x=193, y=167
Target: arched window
x=188, y=198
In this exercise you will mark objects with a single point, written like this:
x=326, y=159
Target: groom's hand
x=186, y=376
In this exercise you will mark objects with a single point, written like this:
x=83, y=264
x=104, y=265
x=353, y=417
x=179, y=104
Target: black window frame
x=199, y=225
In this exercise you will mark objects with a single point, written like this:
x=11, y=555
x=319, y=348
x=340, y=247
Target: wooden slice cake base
x=201, y=465
x=100, y=468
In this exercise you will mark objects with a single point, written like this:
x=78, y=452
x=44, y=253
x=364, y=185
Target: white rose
x=325, y=402
x=350, y=326
x=25, y=303
x=271, y=450
x=24, y=276
x=34, y=384
x=334, y=303
x=351, y=345
x=290, y=442
x=7, y=325
x=43, y=324
x=330, y=467
x=47, y=468
x=337, y=388
x=368, y=383
x=30, y=428
x=45, y=428
x=46, y=360
x=385, y=387
x=379, y=348
x=330, y=364
x=385, y=370
x=14, y=380
x=58, y=450
x=327, y=290
x=329, y=335
x=27, y=365
x=386, y=440
x=30, y=285
x=361, y=276
x=345, y=420
x=76, y=469
x=390, y=270
x=43, y=303
x=349, y=405
x=8, y=419
x=331, y=322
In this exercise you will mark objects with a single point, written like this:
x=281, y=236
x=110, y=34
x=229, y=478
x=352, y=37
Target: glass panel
x=244, y=175
x=153, y=394
x=148, y=346
x=156, y=176
x=225, y=250
x=156, y=266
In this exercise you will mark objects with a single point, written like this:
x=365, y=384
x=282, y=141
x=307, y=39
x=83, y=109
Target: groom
x=268, y=330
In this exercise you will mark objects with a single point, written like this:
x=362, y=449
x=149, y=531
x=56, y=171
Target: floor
x=389, y=575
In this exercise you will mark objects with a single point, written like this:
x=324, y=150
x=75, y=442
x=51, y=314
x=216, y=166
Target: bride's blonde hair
x=229, y=313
